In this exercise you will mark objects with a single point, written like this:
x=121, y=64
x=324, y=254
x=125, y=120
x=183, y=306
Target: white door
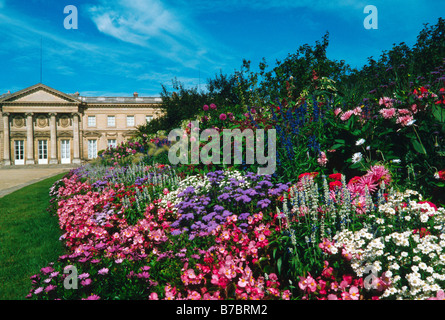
x=43, y=152
x=65, y=151
x=19, y=151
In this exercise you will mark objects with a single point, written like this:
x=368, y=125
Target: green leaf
x=337, y=146
x=279, y=263
x=418, y=147
x=439, y=113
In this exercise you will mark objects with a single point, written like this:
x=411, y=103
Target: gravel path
x=13, y=178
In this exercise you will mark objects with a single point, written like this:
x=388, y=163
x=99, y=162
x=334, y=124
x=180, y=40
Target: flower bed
x=225, y=235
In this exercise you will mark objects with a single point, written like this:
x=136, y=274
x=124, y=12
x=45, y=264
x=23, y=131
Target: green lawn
x=28, y=237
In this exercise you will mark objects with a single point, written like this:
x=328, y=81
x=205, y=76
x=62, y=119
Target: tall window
x=111, y=121
x=43, y=149
x=111, y=143
x=148, y=118
x=130, y=121
x=92, y=149
x=91, y=121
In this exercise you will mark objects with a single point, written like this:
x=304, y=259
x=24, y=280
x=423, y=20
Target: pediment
x=39, y=93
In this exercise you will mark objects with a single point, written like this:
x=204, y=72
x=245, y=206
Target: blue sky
x=122, y=46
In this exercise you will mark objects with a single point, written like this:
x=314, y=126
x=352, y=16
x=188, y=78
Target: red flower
x=334, y=184
x=308, y=174
x=335, y=176
x=354, y=179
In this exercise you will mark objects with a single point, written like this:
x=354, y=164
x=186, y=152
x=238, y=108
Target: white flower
x=356, y=157
x=380, y=221
x=396, y=161
x=360, y=142
x=410, y=123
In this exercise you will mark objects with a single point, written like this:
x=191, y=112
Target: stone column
x=76, y=140
x=6, y=142
x=53, y=139
x=29, y=139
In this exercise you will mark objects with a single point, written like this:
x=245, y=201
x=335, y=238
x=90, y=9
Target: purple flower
x=244, y=216
x=224, y=196
x=263, y=203
x=243, y=198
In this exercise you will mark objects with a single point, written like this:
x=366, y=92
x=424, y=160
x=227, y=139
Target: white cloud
x=165, y=31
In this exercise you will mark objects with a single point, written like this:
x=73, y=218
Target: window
x=111, y=121
x=148, y=118
x=43, y=150
x=91, y=121
x=19, y=146
x=130, y=121
x=92, y=149
x=111, y=143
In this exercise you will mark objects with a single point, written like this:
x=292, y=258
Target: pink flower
x=440, y=295
x=322, y=160
x=332, y=297
x=388, y=113
x=205, y=107
x=311, y=284
x=222, y=116
x=153, y=296
x=345, y=116
x=387, y=102
x=337, y=111
x=212, y=106
x=103, y=271
x=404, y=120
x=354, y=294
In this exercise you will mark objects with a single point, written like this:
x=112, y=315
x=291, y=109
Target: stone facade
x=40, y=125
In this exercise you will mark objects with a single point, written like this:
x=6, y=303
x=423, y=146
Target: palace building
x=41, y=125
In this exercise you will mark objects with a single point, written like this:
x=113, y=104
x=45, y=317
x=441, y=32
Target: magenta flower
x=222, y=116
x=103, y=271
x=213, y=106
x=86, y=282
x=205, y=107
x=49, y=288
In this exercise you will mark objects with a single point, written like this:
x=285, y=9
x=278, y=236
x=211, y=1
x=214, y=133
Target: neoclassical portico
x=41, y=125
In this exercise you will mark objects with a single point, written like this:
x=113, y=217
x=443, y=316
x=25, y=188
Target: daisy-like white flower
x=356, y=157
x=360, y=142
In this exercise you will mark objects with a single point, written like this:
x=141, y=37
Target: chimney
x=135, y=94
